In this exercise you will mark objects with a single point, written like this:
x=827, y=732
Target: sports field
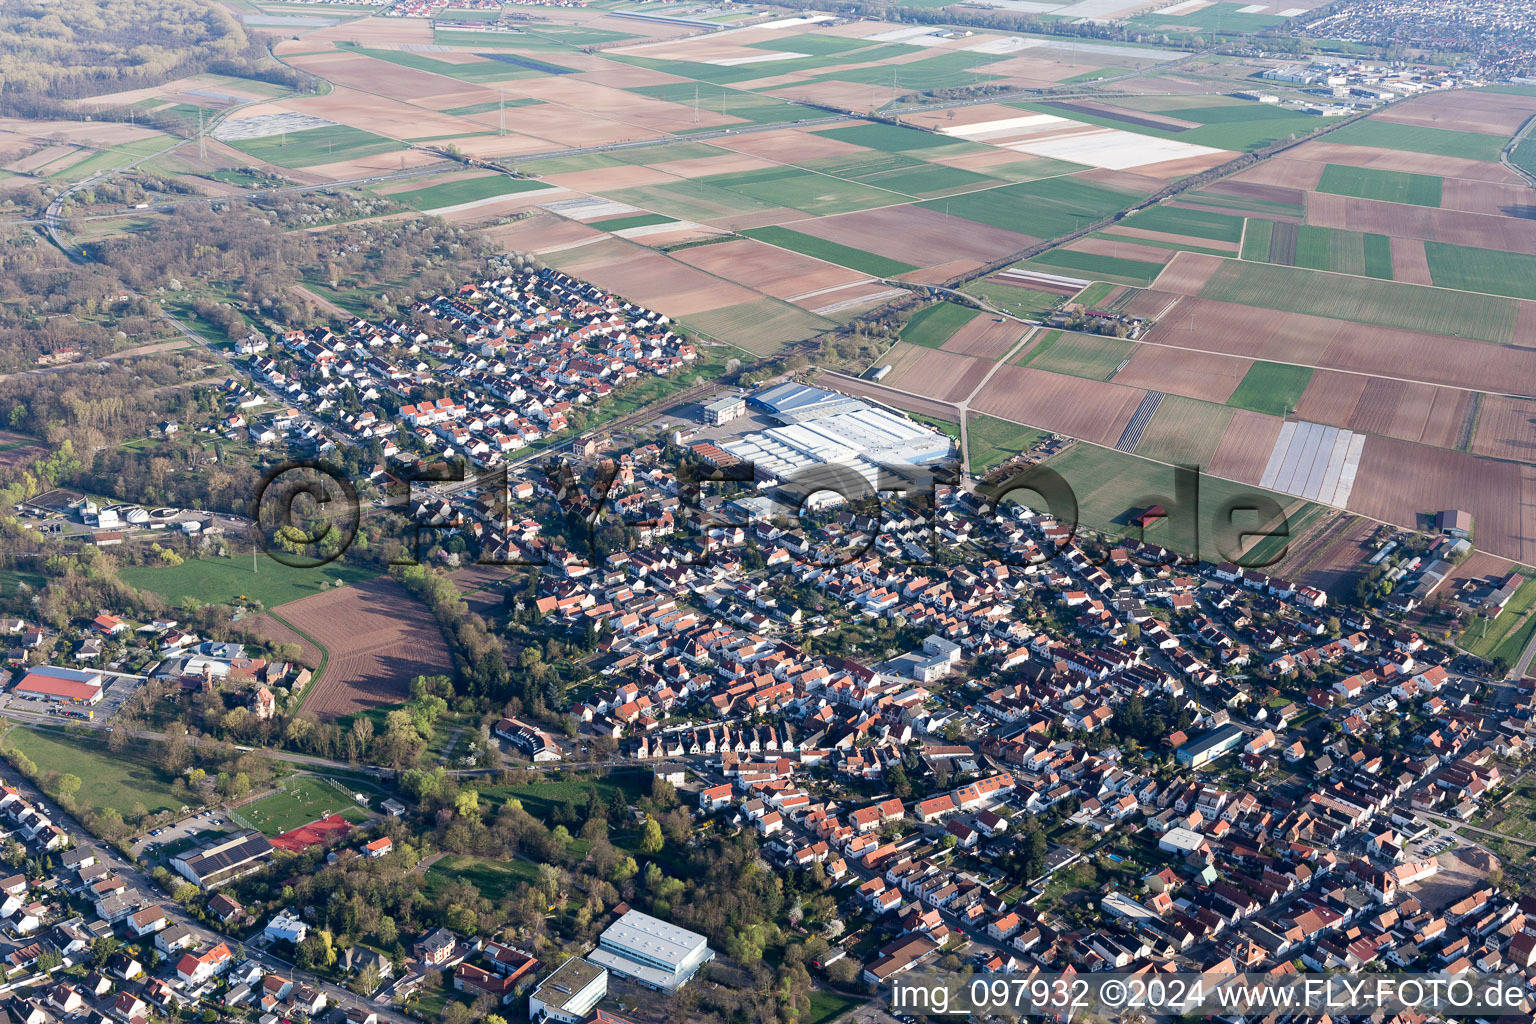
x=933, y=325
x=315, y=146
x=222, y=580
x=301, y=800
x=1272, y=388
x=832, y=252
x=1387, y=186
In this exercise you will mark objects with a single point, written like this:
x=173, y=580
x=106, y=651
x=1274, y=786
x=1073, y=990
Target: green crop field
x=1045, y=208
x=1184, y=431
x=1384, y=303
x=468, y=190
x=933, y=325
x=487, y=107
x=1387, y=186
x=315, y=146
x=1158, y=243
x=1110, y=485
x=637, y=220
x=890, y=138
x=1524, y=155
x=1109, y=268
x=1482, y=270
x=832, y=252
x=120, y=781
x=688, y=200
x=1244, y=204
x=953, y=70
x=734, y=102
x=1260, y=124
x=1081, y=355
x=1222, y=18
x=793, y=188
x=1272, y=388
x=222, y=580
x=993, y=441
x=761, y=327
x=1413, y=138
x=479, y=71
x=1175, y=220
x=301, y=799
x=1344, y=252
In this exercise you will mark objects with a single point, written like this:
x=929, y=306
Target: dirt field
x=279, y=633
x=1506, y=428
x=777, y=272
x=1162, y=236
x=1410, y=264
x=1089, y=409
x=932, y=372
x=1399, y=481
x=1244, y=449
x=1340, y=345
x=914, y=235
x=1254, y=190
x=1409, y=411
x=1332, y=557
x=1464, y=110
x=790, y=146
x=1483, y=231
x=1187, y=273
x=649, y=277
x=1325, y=152
x=378, y=639
x=988, y=337
x=543, y=232
x=1122, y=249
x=1202, y=375
x=17, y=449
x=1285, y=173
x=890, y=396
x=1484, y=197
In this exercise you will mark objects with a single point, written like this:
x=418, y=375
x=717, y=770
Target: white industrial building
x=650, y=951
x=857, y=436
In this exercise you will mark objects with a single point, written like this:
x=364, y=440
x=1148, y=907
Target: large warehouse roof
x=653, y=937
x=793, y=402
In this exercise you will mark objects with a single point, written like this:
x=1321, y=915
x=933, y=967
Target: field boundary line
x=325, y=657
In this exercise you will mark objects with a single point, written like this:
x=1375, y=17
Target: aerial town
x=613, y=512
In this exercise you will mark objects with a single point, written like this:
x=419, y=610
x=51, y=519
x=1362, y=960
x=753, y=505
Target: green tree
x=651, y=841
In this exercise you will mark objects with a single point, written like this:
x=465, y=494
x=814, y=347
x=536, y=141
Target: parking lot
x=187, y=828
x=119, y=687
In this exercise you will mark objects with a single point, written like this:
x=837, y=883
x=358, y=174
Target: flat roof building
x=725, y=408
x=568, y=994
x=228, y=859
x=1209, y=747
x=651, y=951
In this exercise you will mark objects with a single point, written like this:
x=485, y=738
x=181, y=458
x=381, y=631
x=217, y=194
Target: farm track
x=1469, y=423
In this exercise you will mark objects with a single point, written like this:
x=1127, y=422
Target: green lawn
x=542, y=798
x=992, y=441
x=827, y=1006
x=933, y=325
x=1384, y=303
x=1413, y=138
x=1272, y=388
x=119, y=781
x=497, y=880
x=303, y=799
x=832, y=252
x=1025, y=303
x=222, y=580
x=1387, y=186
x=1506, y=636
x=1482, y=270
x=467, y=190
x=314, y=146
